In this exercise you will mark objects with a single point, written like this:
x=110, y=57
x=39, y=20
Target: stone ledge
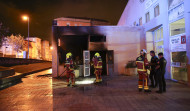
x=6, y=71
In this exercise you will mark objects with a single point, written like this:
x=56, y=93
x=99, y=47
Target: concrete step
x=10, y=81
x=6, y=71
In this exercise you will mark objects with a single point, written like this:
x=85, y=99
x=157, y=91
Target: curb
x=28, y=73
x=15, y=79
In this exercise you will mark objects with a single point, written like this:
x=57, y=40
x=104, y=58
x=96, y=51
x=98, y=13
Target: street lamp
x=26, y=18
x=51, y=48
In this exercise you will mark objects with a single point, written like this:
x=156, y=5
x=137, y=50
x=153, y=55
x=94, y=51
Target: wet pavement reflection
x=38, y=92
x=34, y=93
x=119, y=93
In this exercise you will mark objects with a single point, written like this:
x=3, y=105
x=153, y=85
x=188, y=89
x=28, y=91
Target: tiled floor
x=117, y=93
x=33, y=94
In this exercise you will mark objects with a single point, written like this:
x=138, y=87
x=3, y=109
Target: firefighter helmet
x=68, y=55
x=97, y=54
x=143, y=51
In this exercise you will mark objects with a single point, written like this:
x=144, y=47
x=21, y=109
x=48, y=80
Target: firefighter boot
x=68, y=84
x=73, y=84
x=97, y=80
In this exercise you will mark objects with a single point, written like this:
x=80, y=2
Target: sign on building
x=149, y=3
x=174, y=3
x=176, y=12
x=178, y=44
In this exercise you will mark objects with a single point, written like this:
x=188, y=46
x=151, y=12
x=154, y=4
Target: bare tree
x=16, y=41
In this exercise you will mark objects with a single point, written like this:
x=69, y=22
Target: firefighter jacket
x=69, y=64
x=142, y=64
x=97, y=62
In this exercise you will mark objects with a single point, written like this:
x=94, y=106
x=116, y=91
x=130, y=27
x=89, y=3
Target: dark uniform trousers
x=153, y=78
x=161, y=80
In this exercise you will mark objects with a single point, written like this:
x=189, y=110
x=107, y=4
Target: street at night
x=34, y=93
x=94, y=55
x=117, y=93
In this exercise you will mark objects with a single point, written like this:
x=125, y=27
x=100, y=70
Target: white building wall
x=135, y=10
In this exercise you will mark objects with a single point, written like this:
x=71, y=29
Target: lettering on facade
x=176, y=12
x=149, y=3
x=178, y=43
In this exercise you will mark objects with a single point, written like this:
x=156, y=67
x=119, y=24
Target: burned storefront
x=116, y=45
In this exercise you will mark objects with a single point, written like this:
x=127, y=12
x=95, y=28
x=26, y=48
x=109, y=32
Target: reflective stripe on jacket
x=142, y=63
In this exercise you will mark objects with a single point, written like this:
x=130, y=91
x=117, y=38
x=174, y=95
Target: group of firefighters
x=156, y=67
x=69, y=65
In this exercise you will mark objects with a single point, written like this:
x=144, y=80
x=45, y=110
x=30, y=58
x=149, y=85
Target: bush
x=131, y=64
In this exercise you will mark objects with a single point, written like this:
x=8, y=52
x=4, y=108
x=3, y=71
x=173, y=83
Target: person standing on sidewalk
x=152, y=76
x=70, y=69
x=97, y=62
x=142, y=66
x=161, y=69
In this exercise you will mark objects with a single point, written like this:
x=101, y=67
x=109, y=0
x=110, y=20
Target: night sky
x=42, y=12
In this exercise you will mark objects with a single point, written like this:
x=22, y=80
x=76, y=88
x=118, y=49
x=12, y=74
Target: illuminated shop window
x=177, y=27
x=147, y=17
x=158, y=40
x=179, y=69
x=140, y=21
x=156, y=11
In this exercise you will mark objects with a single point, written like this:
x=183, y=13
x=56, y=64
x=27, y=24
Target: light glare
x=25, y=18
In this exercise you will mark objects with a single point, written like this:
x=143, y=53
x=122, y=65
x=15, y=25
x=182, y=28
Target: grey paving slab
x=120, y=93
x=116, y=93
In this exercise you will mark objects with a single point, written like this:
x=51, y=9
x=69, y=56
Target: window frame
x=160, y=40
x=140, y=21
x=156, y=7
x=147, y=17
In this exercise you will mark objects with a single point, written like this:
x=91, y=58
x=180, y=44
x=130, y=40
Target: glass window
x=179, y=69
x=161, y=31
x=155, y=36
x=156, y=11
x=147, y=17
x=177, y=27
x=158, y=34
x=140, y=21
x=158, y=40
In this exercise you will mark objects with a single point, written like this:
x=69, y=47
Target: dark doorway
x=74, y=44
x=103, y=55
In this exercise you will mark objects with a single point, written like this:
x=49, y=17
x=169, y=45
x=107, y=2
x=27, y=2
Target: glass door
x=86, y=58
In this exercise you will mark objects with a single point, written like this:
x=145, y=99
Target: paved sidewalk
x=119, y=93
x=32, y=67
x=33, y=94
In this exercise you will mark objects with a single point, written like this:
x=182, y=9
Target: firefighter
x=70, y=69
x=142, y=66
x=161, y=69
x=153, y=63
x=97, y=62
